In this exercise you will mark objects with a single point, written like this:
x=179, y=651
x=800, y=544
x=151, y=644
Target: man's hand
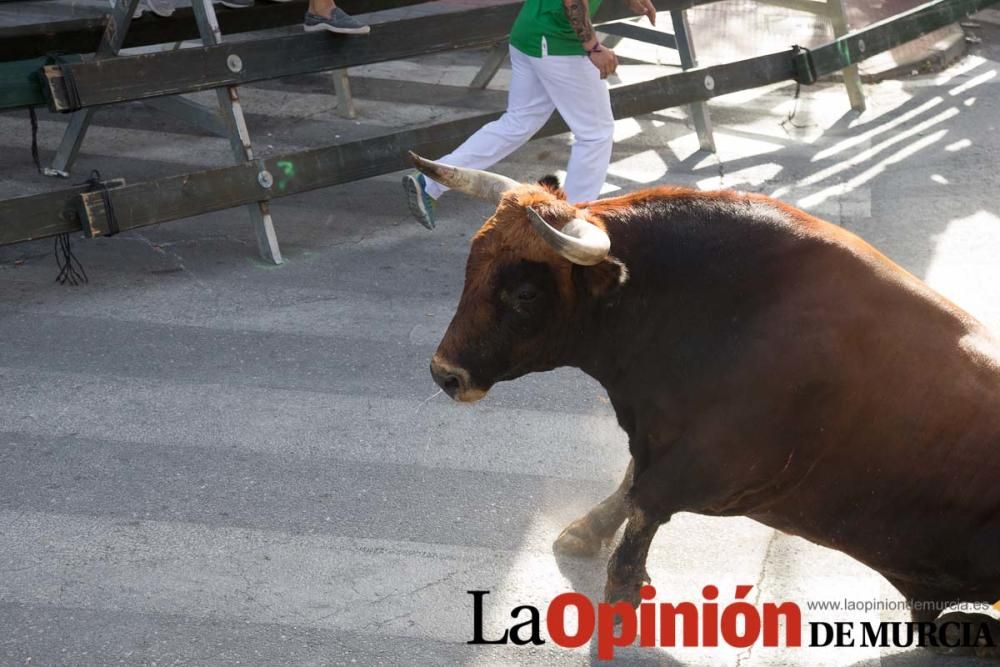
x=644, y=8
x=604, y=60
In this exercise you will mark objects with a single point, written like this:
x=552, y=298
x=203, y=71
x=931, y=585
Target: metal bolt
x=234, y=63
x=265, y=179
x=861, y=45
x=709, y=82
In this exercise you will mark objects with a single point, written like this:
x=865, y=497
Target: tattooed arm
x=578, y=13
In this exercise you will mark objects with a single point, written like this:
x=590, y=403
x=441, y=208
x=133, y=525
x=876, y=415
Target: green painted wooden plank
x=21, y=84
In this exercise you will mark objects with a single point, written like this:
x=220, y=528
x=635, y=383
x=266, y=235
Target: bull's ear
x=603, y=280
x=551, y=183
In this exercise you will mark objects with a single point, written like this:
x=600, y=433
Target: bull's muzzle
x=454, y=381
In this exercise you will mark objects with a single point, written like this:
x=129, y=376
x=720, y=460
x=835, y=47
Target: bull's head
x=530, y=265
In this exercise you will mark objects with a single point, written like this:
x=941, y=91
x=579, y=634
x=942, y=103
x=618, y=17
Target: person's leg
x=322, y=7
x=528, y=108
x=583, y=100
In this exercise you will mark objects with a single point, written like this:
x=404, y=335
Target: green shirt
x=547, y=18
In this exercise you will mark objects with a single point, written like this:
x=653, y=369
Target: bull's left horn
x=579, y=241
x=481, y=184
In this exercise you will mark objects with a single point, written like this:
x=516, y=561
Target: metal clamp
x=69, y=87
x=106, y=222
x=803, y=67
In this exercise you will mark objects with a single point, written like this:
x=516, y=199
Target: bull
x=762, y=362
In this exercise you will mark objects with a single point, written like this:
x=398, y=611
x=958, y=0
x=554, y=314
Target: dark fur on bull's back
x=769, y=364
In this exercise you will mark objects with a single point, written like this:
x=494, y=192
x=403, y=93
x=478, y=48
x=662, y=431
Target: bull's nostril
x=452, y=380
x=451, y=384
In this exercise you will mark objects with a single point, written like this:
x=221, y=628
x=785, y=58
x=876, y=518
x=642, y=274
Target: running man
x=557, y=63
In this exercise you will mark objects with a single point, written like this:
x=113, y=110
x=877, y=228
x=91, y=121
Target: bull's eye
x=527, y=293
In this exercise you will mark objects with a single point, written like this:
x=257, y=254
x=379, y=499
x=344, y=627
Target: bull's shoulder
x=753, y=226
x=681, y=206
x=704, y=231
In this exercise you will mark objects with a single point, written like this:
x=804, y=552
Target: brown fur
x=763, y=363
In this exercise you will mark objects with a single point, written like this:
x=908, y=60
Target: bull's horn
x=481, y=184
x=579, y=241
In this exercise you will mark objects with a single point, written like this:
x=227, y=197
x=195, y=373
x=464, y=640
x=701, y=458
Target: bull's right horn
x=579, y=241
x=481, y=184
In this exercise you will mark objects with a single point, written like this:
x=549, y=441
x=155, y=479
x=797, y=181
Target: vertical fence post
x=699, y=110
x=239, y=136
x=851, y=74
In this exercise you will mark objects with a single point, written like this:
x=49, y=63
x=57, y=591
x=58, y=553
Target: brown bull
x=762, y=362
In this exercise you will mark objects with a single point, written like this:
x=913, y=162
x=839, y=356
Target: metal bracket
x=49, y=171
x=92, y=208
x=802, y=65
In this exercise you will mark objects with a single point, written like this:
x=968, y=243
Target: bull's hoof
x=954, y=636
x=988, y=653
x=625, y=590
x=579, y=540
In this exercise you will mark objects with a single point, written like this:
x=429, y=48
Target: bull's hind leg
x=584, y=537
x=961, y=632
x=957, y=627
x=627, y=567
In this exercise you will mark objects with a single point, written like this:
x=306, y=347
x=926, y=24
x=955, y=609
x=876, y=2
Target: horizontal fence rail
x=44, y=215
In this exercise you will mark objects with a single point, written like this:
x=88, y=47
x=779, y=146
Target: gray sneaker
x=236, y=4
x=339, y=21
x=162, y=8
x=422, y=205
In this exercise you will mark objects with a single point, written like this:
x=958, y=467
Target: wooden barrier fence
x=122, y=206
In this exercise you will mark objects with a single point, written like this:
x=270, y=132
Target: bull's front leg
x=627, y=567
x=584, y=537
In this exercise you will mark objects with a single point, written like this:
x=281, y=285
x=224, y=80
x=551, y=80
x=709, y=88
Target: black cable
x=70, y=269
x=806, y=54
x=34, y=139
x=795, y=109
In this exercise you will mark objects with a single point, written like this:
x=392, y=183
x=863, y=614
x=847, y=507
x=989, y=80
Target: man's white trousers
x=569, y=84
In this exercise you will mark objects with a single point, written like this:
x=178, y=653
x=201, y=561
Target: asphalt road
x=205, y=459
